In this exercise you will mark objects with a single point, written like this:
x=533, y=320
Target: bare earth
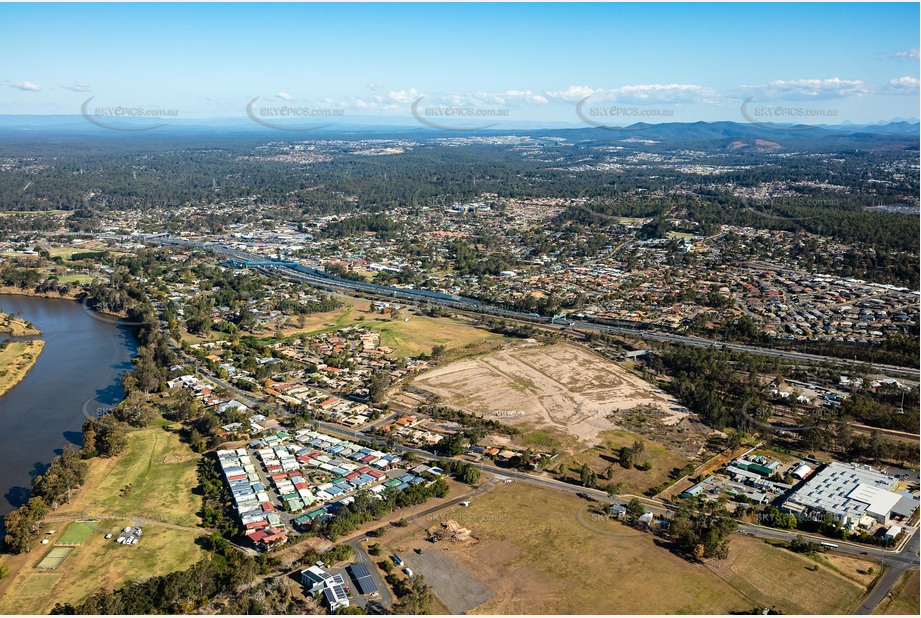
x=563, y=387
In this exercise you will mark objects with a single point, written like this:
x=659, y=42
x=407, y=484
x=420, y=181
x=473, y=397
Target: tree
x=416, y=601
x=702, y=528
x=111, y=440
x=635, y=508
x=452, y=445
x=585, y=475
x=22, y=525
x=89, y=439
x=377, y=389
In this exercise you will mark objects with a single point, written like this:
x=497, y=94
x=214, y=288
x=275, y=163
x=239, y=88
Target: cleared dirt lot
x=561, y=387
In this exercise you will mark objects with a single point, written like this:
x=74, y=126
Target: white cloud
x=573, y=93
x=400, y=96
x=284, y=96
x=77, y=87
x=26, y=86
x=639, y=94
x=801, y=89
x=909, y=54
x=375, y=86
x=902, y=85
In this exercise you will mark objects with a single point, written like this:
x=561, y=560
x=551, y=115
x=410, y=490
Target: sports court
x=76, y=533
x=54, y=558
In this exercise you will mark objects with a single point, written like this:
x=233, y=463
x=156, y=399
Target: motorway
x=466, y=304
x=896, y=561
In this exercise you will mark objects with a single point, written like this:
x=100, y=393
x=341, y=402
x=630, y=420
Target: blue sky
x=522, y=62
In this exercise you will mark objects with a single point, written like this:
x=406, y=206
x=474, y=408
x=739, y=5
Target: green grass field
x=151, y=482
x=76, y=278
x=76, y=533
x=54, y=558
x=153, y=479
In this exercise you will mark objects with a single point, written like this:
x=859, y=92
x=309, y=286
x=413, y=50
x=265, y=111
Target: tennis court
x=54, y=558
x=76, y=533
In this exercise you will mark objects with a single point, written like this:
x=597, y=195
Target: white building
x=854, y=494
x=332, y=587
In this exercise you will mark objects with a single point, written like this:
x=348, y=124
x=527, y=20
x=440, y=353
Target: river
x=79, y=369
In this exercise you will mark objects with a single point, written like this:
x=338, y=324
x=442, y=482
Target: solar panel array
x=362, y=578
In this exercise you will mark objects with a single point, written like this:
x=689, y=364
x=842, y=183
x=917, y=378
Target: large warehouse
x=856, y=495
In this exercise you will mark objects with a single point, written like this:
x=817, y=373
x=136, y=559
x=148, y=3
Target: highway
x=896, y=561
x=322, y=280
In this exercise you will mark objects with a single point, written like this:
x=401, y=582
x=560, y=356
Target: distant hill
x=728, y=136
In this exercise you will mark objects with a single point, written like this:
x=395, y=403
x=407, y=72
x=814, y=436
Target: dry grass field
x=604, y=456
x=96, y=564
x=150, y=485
x=906, y=597
x=16, y=358
x=16, y=326
x=544, y=552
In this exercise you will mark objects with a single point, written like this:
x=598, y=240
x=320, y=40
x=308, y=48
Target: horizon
x=464, y=66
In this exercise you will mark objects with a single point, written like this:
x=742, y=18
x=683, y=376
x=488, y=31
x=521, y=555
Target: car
x=109, y=536
x=465, y=503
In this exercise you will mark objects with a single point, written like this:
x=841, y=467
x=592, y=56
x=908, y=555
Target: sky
x=466, y=64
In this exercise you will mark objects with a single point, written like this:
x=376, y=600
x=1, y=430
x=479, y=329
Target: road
x=466, y=304
x=896, y=561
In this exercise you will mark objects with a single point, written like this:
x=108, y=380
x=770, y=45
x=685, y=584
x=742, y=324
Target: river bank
x=79, y=369
x=16, y=359
x=17, y=327
x=10, y=290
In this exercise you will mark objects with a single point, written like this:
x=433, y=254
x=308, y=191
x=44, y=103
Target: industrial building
x=855, y=495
